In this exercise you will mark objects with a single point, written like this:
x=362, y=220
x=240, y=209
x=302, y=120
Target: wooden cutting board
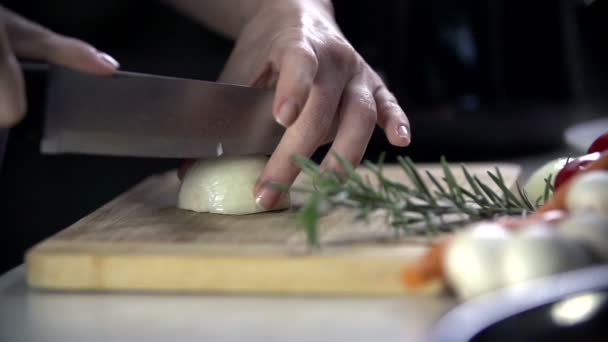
x=141, y=242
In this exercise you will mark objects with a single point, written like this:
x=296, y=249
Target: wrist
x=295, y=10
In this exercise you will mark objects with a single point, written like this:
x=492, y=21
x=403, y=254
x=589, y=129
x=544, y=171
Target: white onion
x=535, y=186
x=589, y=228
x=589, y=191
x=224, y=185
x=472, y=258
x=537, y=251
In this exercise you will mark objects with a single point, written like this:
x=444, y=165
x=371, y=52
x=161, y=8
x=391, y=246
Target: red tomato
x=181, y=172
x=600, y=144
x=573, y=167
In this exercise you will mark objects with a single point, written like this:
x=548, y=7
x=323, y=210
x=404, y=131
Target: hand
x=22, y=38
x=324, y=89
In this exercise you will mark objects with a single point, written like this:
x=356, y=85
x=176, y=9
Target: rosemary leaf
x=491, y=195
x=471, y=182
x=508, y=197
x=437, y=184
x=405, y=208
x=547, y=191
x=451, y=180
x=309, y=215
x=524, y=197
x=415, y=176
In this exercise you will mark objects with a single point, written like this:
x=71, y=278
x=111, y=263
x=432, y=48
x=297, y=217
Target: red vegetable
x=558, y=201
x=181, y=172
x=576, y=165
x=600, y=144
x=573, y=167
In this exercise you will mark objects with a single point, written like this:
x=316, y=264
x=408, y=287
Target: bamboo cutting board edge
x=379, y=275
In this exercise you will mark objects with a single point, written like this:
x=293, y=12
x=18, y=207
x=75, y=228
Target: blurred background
x=480, y=80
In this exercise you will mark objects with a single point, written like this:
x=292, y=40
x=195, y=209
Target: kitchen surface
x=33, y=315
x=28, y=315
x=505, y=83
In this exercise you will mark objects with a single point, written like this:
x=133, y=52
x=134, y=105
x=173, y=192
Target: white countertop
x=30, y=315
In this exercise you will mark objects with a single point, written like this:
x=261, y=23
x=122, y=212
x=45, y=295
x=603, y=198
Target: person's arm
x=324, y=90
x=228, y=17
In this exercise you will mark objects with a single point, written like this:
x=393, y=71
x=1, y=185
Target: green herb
x=405, y=206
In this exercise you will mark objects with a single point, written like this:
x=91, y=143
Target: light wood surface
x=141, y=242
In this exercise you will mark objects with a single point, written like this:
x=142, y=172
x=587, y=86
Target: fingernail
x=287, y=113
x=267, y=198
x=109, y=60
x=403, y=132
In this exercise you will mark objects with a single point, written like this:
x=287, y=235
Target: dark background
x=480, y=80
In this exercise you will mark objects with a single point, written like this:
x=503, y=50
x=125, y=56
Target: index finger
x=30, y=40
x=301, y=138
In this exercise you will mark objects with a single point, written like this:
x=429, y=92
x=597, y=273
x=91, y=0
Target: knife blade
x=142, y=115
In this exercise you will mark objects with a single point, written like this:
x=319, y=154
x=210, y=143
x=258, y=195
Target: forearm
x=228, y=17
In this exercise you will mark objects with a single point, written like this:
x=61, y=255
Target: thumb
x=30, y=40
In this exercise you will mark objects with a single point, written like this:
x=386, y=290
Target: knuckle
x=305, y=55
x=387, y=101
x=342, y=55
x=300, y=61
x=391, y=108
x=364, y=99
x=304, y=52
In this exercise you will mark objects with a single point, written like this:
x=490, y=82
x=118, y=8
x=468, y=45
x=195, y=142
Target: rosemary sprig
x=404, y=206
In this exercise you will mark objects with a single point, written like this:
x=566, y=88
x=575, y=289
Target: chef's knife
x=132, y=114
